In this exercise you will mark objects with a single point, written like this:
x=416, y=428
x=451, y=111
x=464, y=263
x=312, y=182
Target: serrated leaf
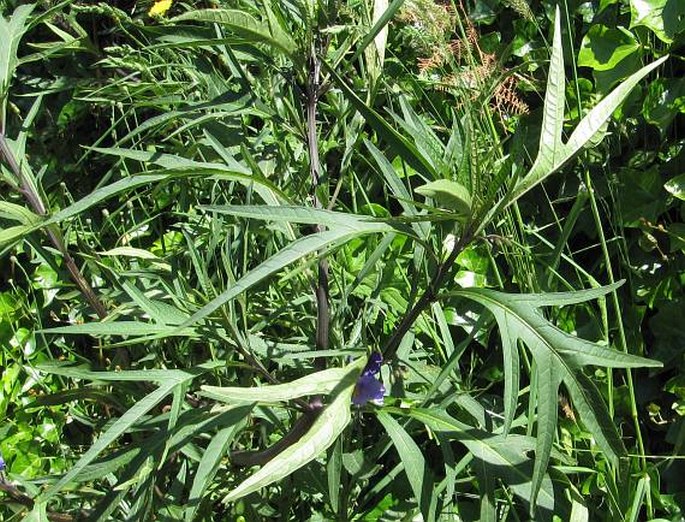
x=503, y=455
x=552, y=152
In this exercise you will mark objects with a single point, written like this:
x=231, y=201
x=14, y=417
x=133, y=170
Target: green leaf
x=603, y=47
x=291, y=214
x=119, y=328
x=505, y=456
x=323, y=433
x=244, y=25
x=448, y=194
x=313, y=244
x=322, y=382
x=412, y=460
x=559, y=357
x=19, y=213
x=12, y=29
x=676, y=186
x=168, y=381
x=118, y=428
x=401, y=145
x=552, y=152
x=138, y=253
x=8, y=236
x=382, y=21
x=666, y=18
x=38, y=513
x=209, y=465
x=664, y=101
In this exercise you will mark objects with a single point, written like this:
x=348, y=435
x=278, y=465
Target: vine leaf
x=559, y=357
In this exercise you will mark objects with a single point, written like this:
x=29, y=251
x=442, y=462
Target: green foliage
x=213, y=212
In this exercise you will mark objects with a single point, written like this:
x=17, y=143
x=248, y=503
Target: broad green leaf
x=664, y=101
x=448, y=194
x=412, y=460
x=322, y=382
x=244, y=25
x=559, y=357
x=666, y=18
x=324, y=431
x=676, y=186
x=603, y=47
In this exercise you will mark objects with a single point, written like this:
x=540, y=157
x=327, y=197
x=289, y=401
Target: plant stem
x=322, y=293
x=428, y=296
x=30, y=193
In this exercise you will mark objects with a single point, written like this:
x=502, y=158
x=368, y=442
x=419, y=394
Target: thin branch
x=428, y=296
x=15, y=495
x=322, y=292
x=26, y=189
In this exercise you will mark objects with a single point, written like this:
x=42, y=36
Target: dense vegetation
x=342, y=260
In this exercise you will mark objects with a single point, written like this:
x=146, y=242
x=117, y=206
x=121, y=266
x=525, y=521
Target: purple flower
x=369, y=388
x=2, y=464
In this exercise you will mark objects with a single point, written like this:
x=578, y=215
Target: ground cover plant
x=342, y=260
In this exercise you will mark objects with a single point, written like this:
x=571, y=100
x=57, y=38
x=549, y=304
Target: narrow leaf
x=242, y=24
x=322, y=382
x=403, y=147
x=412, y=460
x=325, y=430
